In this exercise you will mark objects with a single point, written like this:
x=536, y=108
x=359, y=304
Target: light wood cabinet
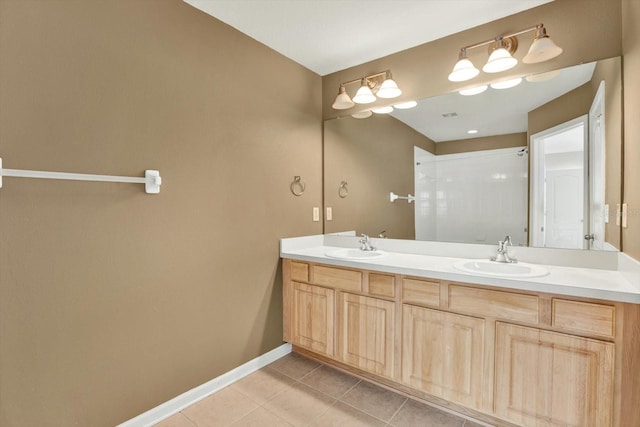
x=442, y=354
x=313, y=318
x=366, y=333
x=505, y=357
x=550, y=379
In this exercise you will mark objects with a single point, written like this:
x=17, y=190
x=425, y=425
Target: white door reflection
x=559, y=186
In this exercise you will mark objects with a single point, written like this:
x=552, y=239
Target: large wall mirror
x=539, y=161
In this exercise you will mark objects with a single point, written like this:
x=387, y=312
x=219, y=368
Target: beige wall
x=587, y=30
x=113, y=301
x=484, y=143
x=374, y=156
x=631, y=72
x=610, y=71
x=562, y=109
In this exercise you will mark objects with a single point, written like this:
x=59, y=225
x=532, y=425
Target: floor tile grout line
x=350, y=388
x=322, y=413
x=195, y=424
x=398, y=410
x=276, y=415
x=309, y=373
x=364, y=412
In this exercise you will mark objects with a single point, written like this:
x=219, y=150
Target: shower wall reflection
x=475, y=197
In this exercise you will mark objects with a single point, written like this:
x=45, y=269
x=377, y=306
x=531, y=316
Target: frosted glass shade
x=499, y=60
x=463, y=70
x=542, y=49
x=382, y=110
x=342, y=101
x=507, y=83
x=405, y=105
x=474, y=90
x=389, y=89
x=362, y=115
x=364, y=95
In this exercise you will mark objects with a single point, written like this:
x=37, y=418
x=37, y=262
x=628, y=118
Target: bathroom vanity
x=562, y=349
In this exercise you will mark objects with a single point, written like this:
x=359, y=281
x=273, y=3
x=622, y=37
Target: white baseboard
x=178, y=403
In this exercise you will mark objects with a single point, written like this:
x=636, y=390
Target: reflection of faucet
x=382, y=234
x=366, y=244
x=502, y=255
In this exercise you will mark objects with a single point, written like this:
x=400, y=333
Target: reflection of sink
x=498, y=269
x=353, y=254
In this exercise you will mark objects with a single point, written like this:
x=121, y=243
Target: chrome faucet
x=366, y=244
x=503, y=255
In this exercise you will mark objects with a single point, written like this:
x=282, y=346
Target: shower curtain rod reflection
x=521, y=151
x=151, y=179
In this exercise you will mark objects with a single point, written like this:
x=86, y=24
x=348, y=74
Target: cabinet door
x=442, y=354
x=313, y=313
x=550, y=379
x=366, y=333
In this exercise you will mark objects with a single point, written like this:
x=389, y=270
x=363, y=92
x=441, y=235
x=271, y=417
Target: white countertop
x=603, y=284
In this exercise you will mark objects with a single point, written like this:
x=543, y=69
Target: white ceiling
x=493, y=112
x=330, y=35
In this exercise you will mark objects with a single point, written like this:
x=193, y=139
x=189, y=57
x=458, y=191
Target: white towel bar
x=393, y=197
x=151, y=180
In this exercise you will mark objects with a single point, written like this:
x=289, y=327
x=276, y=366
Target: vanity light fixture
x=501, y=49
x=473, y=91
x=372, y=87
x=506, y=84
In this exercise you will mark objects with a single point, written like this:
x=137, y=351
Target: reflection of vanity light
x=383, y=110
x=405, y=105
x=473, y=91
x=507, y=83
x=362, y=115
x=472, y=131
x=542, y=77
x=499, y=176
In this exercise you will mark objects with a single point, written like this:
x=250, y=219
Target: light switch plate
x=618, y=214
x=329, y=214
x=606, y=213
x=624, y=215
x=316, y=214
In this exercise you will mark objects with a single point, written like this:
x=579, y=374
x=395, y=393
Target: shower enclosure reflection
x=475, y=197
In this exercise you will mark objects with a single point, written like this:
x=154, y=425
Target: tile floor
x=296, y=391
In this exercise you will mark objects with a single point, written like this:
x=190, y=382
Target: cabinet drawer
x=382, y=285
x=338, y=278
x=423, y=292
x=299, y=271
x=504, y=305
x=584, y=317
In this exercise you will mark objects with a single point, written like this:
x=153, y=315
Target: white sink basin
x=499, y=269
x=353, y=254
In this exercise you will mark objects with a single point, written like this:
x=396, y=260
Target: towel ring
x=343, y=190
x=297, y=186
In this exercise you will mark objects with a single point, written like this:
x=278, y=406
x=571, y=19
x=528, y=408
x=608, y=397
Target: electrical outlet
x=618, y=214
x=329, y=214
x=624, y=215
x=316, y=214
x=606, y=213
